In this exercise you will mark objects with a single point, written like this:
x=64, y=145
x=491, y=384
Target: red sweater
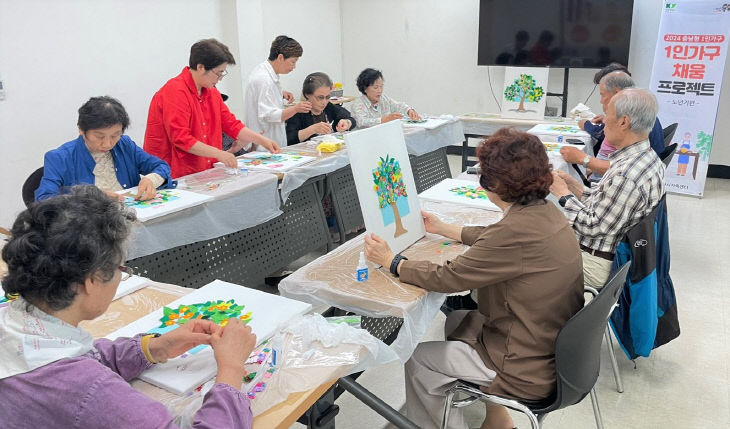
x=179, y=117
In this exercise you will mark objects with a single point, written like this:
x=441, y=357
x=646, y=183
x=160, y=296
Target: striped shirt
x=367, y=114
x=630, y=189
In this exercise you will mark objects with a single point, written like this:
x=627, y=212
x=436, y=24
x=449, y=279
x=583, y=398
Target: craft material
x=266, y=313
x=273, y=162
x=463, y=192
x=166, y=201
x=362, y=268
x=5, y=300
x=426, y=122
x=385, y=184
x=551, y=133
x=524, y=92
x=329, y=147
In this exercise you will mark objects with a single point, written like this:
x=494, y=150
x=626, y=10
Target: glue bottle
x=362, y=268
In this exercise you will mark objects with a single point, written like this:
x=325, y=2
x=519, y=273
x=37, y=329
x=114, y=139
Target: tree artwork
x=704, y=144
x=389, y=187
x=524, y=88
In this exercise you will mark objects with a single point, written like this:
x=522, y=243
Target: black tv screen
x=557, y=33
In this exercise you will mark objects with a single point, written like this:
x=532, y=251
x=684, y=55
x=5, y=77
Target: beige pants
x=595, y=270
x=434, y=367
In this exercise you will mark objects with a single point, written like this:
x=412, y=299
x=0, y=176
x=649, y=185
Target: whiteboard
x=185, y=373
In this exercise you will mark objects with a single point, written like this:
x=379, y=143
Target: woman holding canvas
x=64, y=261
x=323, y=118
x=528, y=274
x=374, y=107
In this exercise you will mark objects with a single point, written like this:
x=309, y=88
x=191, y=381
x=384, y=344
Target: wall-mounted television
x=555, y=33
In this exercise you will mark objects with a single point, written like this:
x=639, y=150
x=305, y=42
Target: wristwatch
x=586, y=160
x=564, y=199
x=394, y=264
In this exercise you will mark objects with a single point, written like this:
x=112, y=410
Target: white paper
x=132, y=284
x=399, y=221
x=167, y=201
x=183, y=374
x=463, y=192
x=429, y=124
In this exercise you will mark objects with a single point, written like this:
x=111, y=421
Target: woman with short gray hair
x=64, y=263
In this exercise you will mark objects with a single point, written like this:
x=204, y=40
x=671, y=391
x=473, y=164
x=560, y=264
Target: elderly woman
x=373, y=107
x=103, y=156
x=64, y=260
x=527, y=271
x=324, y=115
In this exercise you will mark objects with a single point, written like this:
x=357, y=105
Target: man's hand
x=598, y=119
x=572, y=155
x=288, y=96
x=303, y=107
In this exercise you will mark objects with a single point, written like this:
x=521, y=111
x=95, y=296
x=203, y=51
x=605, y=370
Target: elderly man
x=629, y=190
x=610, y=84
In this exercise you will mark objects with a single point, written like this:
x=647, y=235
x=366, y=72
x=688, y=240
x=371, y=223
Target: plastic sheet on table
x=312, y=352
x=325, y=163
x=331, y=280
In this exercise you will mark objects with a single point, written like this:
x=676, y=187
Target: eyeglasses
x=220, y=75
x=126, y=272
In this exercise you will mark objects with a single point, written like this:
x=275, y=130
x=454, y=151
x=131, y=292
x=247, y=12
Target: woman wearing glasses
x=374, y=107
x=104, y=156
x=187, y=116
x=63, y=261
x=323, y=118
x=528, y=273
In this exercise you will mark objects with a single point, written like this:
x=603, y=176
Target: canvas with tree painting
x=385, y=184
x=524, y=92
x=166, y=201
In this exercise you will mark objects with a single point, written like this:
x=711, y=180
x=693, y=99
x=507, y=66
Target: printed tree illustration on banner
x=389, y=186
x=704, y=144
x=524, y=88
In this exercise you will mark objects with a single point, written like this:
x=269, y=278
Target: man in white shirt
x=265, y=112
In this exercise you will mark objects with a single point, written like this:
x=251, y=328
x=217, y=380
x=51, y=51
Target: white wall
x=427, y=50
x=54, y=55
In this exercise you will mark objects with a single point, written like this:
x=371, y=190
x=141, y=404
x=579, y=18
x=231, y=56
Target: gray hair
x=315, y=81
x=616, y=81
x=640, y=106
x=60, y=242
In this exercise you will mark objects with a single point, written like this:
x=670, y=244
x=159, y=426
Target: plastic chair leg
x=596, y=410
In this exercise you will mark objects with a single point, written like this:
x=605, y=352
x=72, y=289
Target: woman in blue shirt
x=103, y=156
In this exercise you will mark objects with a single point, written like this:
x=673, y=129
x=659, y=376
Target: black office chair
x=577, y=360
x=31, y=184
x=668, y=133
x=667, y=153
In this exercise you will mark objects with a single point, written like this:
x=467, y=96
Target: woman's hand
x=114, y=195
x=176, y=342
x=269, y=144
x=232, y=345
x=145, y=190
x=344, y=125
x=320, y=128
x=392, y=117
x=433, y=224
x=378, y=251
x=228, y=159
x=413, y=115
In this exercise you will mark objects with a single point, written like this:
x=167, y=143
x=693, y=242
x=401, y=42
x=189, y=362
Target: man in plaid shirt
x=630, y=189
